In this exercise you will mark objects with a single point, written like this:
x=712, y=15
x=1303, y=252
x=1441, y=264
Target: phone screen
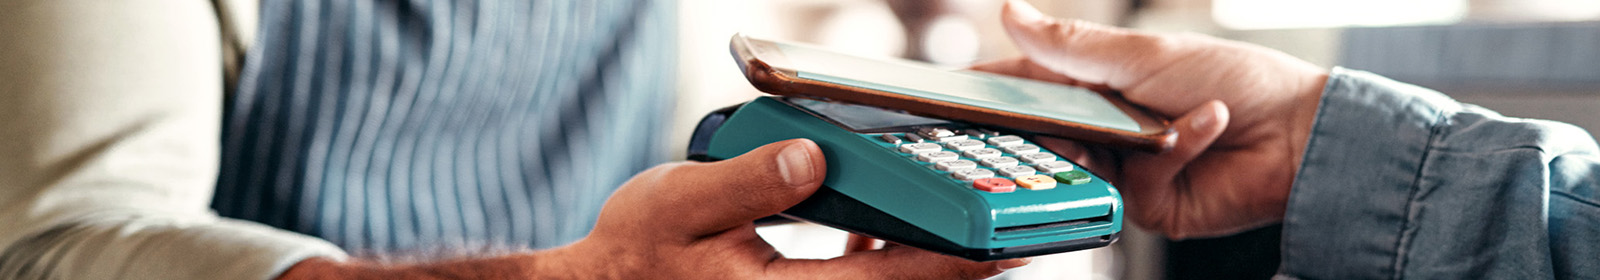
x=1001, y=92
x=863, y=118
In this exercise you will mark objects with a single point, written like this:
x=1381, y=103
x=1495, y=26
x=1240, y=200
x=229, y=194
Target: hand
x=688, y=221
x=693, y=221
x=1228, y=172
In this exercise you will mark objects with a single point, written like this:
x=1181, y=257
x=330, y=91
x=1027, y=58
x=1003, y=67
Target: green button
x=1074, y=177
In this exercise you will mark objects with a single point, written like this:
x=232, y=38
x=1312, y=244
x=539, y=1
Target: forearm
x=521, y=266
x=582, y=260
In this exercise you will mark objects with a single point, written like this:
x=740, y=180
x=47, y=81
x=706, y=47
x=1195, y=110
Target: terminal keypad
x=987, y=161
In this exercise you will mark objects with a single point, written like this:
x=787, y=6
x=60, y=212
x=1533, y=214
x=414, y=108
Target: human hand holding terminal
x=692, y=220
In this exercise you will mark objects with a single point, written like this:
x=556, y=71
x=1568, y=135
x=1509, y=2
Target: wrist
x=592, y=258
x=1301, y=123
x=323, y=268
x=1304, y=119
x=518, y=266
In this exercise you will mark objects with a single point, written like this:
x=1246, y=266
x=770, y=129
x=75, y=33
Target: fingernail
x=794, y=164
x=1202, y=121
x=1024, y=12
x=1013, y=263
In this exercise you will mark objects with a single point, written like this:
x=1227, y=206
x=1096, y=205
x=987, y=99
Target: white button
x=981, y=153
x=913, y=138
x=1054, y=167
x=934, y=132
x=1037, y=158
x=891, y=139
x=956, y=165
x=948, y=139
x=963, y=145
x=917, y=148
x=999, y=162
x=1022, y=149
x=1016, y=171
x=937, y=156
x=1005, y=141
x=974, y=133
x=973, y=174
x=939, y=134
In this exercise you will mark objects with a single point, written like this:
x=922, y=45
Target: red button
x=994, y=185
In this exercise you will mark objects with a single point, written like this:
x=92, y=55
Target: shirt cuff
x=164, y=248
x=233, y=249
x=1347, y=209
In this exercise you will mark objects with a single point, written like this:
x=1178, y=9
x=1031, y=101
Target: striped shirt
x=395, y=125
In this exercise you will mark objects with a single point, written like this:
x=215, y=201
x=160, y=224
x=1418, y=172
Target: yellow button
x=1036, y=182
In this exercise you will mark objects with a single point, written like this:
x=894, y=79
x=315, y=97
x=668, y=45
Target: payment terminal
x=976, y=192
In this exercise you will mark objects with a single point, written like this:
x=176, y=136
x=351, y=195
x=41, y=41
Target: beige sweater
x=109, y=120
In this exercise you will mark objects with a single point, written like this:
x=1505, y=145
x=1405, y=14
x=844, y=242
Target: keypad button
x=1005, y=141
x=999, y=162
x=939, y=134
x=1021, y=149
x=994, y=185
x=956, y=165
x=1053, y=167
x=1016, y=171
x=938, y=156
x=976, y=134
x=935, y=132
x=948, y=139
x=917, y=148
x=973, y=174
x=913, y=138
x=1036, y=182
x=891, y=139
x=981, y=153
x=1075, y=177
x=1037, y=158
x=963, y=145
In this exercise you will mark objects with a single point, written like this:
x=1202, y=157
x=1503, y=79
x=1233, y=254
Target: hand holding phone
x=1244, y=113
x=1016, y=103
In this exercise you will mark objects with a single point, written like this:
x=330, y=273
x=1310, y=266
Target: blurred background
x=1524, y=58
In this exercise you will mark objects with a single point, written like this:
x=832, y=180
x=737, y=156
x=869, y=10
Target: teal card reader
x=971, y=191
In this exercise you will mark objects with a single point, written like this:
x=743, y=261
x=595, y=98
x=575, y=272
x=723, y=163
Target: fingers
x=696, y=199
x=1088, y=52
x=861, y=243
x=1197, y=129
x=897, y=262
x=1156, y=184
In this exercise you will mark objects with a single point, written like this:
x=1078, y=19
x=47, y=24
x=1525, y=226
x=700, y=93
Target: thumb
x=1197, y=129
x=1154, y=193
x=1088, y=52
x=696, y=199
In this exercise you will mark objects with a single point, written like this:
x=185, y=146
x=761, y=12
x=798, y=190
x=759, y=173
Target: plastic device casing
x=873, y=189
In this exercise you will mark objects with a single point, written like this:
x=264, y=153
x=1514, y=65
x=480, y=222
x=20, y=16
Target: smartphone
x=1046, y=108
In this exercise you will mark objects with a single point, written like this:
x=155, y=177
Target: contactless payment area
x=967, y=87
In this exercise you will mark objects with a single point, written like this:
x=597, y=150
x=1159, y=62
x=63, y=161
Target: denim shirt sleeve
x=1399, y=181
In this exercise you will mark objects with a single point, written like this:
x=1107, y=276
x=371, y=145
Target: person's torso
x=393, y=125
